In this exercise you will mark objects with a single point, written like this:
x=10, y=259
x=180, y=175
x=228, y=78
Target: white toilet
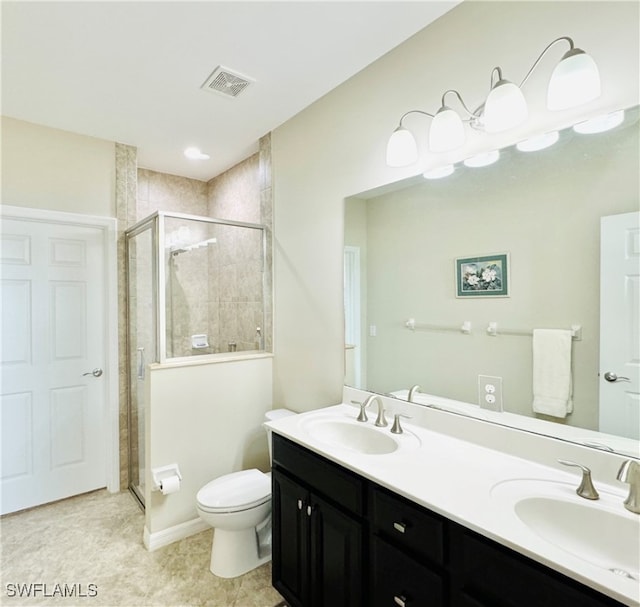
x=238, y=507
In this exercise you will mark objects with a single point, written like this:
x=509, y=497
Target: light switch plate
x=490, y=392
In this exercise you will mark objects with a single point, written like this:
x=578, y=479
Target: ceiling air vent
x=226, y=82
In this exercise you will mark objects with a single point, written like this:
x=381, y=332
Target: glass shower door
x=142, y=343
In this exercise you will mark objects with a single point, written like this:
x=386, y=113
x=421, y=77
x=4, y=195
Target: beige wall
x=46, y=168
x=335, y=149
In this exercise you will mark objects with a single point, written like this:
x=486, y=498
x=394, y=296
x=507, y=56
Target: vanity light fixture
x=574, y=81
x=195, y=154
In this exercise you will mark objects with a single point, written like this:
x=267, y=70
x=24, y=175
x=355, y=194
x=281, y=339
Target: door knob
x=96, y=373
x=611, y=377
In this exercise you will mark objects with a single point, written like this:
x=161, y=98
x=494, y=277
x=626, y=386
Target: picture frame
x=482, y=276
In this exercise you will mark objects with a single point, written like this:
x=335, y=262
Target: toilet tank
x=271, y=416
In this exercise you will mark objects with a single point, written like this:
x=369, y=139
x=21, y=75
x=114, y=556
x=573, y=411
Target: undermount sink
x=600, y=532
x=353, y=436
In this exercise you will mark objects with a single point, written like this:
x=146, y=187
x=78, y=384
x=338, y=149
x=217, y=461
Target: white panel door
x=52, y=407
x=620, y=325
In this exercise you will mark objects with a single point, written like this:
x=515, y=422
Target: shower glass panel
x=195, y=288
x=142, y=341
x=214, y=291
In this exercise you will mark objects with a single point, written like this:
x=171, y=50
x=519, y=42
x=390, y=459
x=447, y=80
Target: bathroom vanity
x=343, y=537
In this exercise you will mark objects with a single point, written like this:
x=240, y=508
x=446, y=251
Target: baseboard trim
x=159, y=539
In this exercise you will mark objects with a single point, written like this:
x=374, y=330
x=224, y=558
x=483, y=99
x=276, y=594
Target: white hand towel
x=552, y=382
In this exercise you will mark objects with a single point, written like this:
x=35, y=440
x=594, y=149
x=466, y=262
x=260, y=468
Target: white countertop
x=455, y=478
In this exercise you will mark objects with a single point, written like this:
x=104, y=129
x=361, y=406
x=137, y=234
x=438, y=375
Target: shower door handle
x=96, y=373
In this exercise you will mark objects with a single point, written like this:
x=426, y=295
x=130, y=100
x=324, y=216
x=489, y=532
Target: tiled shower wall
x=242, y=194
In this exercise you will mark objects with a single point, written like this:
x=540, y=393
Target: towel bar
x=492, y=329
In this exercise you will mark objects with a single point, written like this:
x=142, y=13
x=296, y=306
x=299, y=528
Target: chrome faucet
x=630, y=473
x=412, y=391
x=380, y=420
x=586, y=488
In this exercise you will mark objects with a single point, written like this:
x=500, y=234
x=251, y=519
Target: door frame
x=108, y=228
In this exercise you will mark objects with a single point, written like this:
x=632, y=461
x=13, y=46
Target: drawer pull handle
x=299, y=504
x=308, y=510
x=400, y=600
x=401, y=527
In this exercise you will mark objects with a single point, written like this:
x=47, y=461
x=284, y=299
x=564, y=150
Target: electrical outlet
x=490, y=392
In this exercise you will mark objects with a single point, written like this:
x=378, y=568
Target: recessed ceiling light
x=195, y=154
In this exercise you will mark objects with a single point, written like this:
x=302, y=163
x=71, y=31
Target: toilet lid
x=235, y=491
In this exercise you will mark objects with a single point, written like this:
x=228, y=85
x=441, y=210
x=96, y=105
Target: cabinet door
x=290, y=563
x=336, y=557
x=489, y=574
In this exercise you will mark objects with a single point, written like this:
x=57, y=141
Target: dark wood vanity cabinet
x=318, y=538
x=342, y=541
x=486, y=574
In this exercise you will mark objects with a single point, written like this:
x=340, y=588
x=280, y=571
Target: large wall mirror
x=544, y=209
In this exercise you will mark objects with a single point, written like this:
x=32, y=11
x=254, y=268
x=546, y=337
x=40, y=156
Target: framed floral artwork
x=486, y=276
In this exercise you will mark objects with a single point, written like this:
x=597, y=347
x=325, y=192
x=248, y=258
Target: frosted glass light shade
x=504, y=108
x=446, y=132
x=574, y=81
x=402, y=149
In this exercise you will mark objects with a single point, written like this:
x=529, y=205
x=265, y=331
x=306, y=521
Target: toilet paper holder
x=162, y=473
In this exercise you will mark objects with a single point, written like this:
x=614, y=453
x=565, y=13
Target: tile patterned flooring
x=96, y=539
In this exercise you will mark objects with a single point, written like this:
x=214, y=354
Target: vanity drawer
x=399, y=580
x=331, y=480
x=408, y=525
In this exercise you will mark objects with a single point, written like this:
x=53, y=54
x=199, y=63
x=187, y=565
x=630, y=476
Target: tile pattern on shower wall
x=162, y=192
x=241, y=283
x=126, y=187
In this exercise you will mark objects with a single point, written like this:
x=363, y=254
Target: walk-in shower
x=195, y=287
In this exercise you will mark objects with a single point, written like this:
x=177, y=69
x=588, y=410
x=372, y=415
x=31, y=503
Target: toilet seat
x=235, y=492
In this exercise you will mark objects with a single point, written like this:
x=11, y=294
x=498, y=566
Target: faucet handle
x=586, y=488
x=630, y=473
x=397, y=428
x=362, y=416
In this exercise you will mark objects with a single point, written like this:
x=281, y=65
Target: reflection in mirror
x=543, y=208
